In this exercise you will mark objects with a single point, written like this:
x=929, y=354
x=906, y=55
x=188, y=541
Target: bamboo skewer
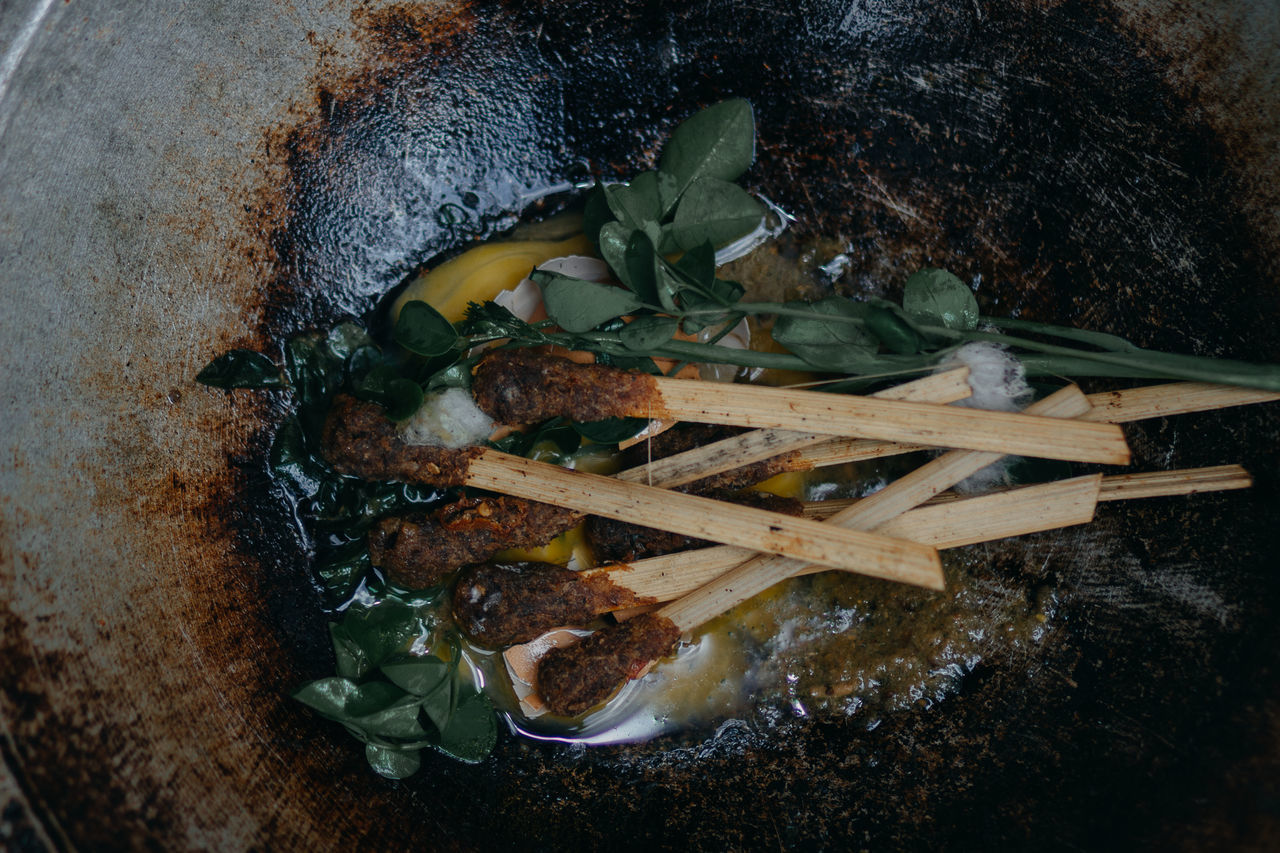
x=1017, y=512
x=763, y=571
x=1120, y=406
x=746, y=448
x=1117, y=407
x=1190, y=481
x=895, y=420
x=1124, y=406
x=689, y=515
x=1151, y=484
x=1174, y=398
x=947, y=523
x=566, y=692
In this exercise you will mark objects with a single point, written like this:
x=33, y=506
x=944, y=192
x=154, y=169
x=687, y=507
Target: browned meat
x=678, y=439
x=501, y=604
x=420, y=550
x=576, y=678
x=359, y=440
x=618, y=542
x=520, y=386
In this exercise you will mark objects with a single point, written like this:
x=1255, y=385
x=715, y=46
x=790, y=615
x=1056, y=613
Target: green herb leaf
x=698, y=265
x=383, y=385
x=642, y=275
x=345, y=339
x=718, y=142
x=328, y=696
x=424, y=330
x=315, y=375
x=353, y=662
x=555, y=431
x=388, y=623
x=595, y=213
x=397, y=719
x=438, y=704
x=645, y=199
x=293, y=464
x=831, y=337
x=420, y=676
x=343, y=700
x=576, y=305
x=893, y=330
x=241, y=368
x=393, y=763
x=720, y=297
x=472, y=731
x=401, y=719
x=614, y=239
x=714, y=211
x=648, y=333
x=938, y=297
x=668, y=283
x=350, y=505
x=491, y=320
x=457, y=376
x=341, y=570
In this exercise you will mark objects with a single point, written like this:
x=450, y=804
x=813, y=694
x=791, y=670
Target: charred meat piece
x=618, y=542
x=501, y=604
x=678, y=439
x=358, y=439
x=519, y=386
x=576, y=678
x=420, y=550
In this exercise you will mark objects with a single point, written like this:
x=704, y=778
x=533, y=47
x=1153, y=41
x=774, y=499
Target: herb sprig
x=658, y=234
x=396, y=702
x=391, y=691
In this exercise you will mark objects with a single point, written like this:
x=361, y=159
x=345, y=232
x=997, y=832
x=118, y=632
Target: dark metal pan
x=171, y=185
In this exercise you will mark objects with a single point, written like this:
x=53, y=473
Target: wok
x=176, y=179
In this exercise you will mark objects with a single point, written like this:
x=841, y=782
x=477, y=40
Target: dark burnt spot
x=1040, y=151
x=93, y=801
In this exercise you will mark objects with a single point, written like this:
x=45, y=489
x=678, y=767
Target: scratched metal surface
x=179, y=178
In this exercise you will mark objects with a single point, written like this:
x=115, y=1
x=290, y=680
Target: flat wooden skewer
x=690, y=515
x=763, y=571
x=896, y=420
x=1125, y=406
x=1187, y=481
x=946, y=523
x=1116, y=407
x=746, y=580
x=749, y=447
x=1175, y=398
x=1120, y=406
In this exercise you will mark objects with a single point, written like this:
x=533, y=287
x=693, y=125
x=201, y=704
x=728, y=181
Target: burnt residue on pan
x=1036, y=150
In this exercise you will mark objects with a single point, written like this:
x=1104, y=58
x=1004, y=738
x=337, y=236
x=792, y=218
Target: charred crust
x=520, y=386
x=358, y=439
x=421, y=550
x=574, y=679
x=501, y=604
